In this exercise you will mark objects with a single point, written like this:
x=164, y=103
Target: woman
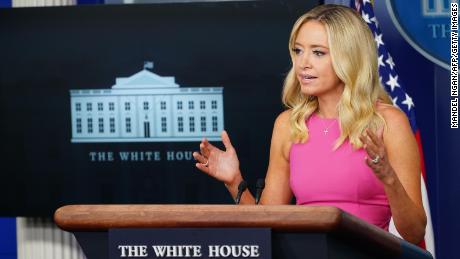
x=341, y=142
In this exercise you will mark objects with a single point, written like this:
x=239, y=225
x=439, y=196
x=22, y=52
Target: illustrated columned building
x=146, y=107
x=436, y=7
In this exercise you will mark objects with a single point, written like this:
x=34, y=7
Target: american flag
x=390, y=80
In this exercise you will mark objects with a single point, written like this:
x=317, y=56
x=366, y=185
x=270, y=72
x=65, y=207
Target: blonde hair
x=354, y=60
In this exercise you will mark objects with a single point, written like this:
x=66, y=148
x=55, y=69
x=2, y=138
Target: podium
x=297, y=231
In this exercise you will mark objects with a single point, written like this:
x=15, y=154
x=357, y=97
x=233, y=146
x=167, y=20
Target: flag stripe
x=420, y=148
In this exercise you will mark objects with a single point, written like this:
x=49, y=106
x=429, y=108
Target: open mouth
x=305, y=78
x=308, y=77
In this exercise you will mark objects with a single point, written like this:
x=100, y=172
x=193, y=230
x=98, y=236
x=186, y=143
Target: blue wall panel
x=5, y=3
x=8, y=238
x=79, y=2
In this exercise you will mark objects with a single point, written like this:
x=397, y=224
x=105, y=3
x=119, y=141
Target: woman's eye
x=318, y=53
x=297, y=51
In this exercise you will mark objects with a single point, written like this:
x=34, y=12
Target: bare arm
x=277, y=189
x=224, y=165
x=399, y=171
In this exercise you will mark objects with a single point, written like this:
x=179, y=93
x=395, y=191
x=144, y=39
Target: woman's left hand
x=377, y=158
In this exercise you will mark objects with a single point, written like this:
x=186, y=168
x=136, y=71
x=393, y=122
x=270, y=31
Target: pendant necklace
x=326, y=129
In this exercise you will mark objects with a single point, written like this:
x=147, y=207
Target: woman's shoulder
x=284, y=116
x=282, y=121
x=396, y=120
x=282, y=134
x=392, y=114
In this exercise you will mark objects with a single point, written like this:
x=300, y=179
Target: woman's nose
x=304, y=61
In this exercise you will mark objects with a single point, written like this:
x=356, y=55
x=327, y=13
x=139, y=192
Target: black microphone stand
x=241, y=188
x=260, y=185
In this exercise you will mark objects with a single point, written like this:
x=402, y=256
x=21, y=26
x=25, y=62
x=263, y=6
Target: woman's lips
x=307, y=79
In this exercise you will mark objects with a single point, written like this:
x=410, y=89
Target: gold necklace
x=326, y=129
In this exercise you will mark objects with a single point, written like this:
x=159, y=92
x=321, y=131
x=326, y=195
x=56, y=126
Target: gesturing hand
x=222, y=165
x=377, y=158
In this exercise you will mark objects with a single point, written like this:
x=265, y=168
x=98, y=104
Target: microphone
x=241, y=188
x=260, y=185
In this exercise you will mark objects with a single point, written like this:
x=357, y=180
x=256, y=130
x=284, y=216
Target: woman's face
x=313, y=64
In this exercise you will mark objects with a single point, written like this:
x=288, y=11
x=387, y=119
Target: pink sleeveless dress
x=320, y=175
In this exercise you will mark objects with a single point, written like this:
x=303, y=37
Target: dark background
x=45, y=52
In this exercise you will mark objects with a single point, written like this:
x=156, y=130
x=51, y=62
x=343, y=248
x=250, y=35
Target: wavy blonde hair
x=354, y=60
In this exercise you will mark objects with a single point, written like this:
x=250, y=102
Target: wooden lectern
x=297, y=231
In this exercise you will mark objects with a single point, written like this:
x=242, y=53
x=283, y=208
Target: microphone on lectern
x=241, y=188
x=260, y=185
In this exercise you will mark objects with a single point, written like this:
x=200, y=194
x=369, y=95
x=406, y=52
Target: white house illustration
x=436, y=8
x=146, y=107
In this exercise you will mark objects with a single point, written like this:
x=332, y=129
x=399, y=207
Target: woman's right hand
x=222, y=165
